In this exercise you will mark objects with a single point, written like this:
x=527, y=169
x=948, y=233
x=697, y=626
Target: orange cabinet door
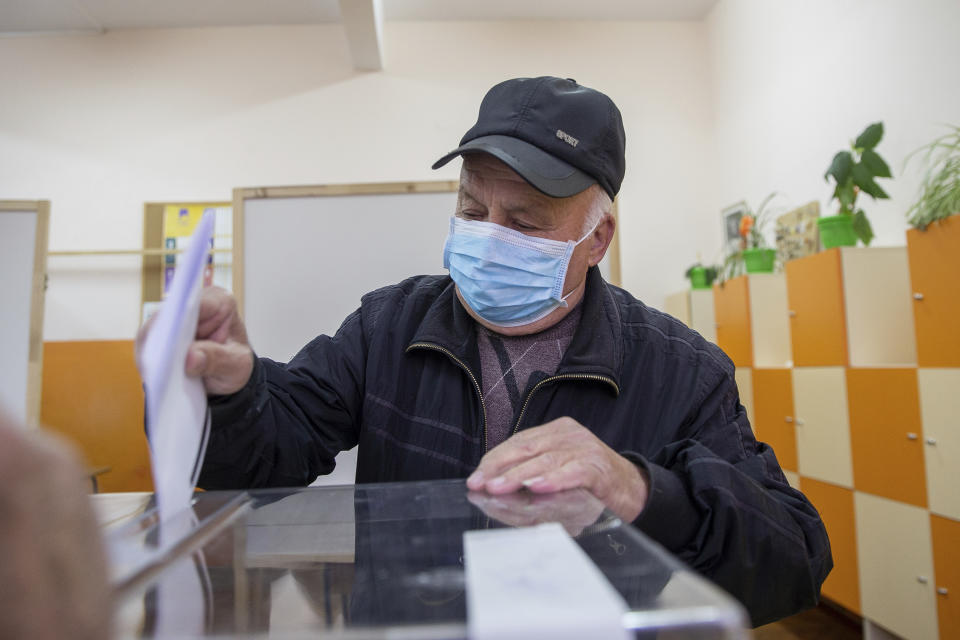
x=818, y=329
x=946, y=568
x=934, y=257
x=732, y=311
x=835, y=505
x=92, y=395
x=773, y=413
x=886, y=436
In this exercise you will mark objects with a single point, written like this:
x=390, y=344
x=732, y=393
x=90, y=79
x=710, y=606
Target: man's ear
x=601, y=238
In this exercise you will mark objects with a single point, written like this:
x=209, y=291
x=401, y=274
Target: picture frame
x=730, y=220
x=797, y=234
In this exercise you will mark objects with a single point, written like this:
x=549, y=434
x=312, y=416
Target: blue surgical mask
x=509, y=279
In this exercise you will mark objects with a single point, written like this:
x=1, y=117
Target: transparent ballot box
x=385, y=561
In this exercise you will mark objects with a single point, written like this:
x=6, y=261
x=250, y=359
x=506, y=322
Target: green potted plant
x=854, y=171
x=940, y=190
x=757, y=256
x=702, y=277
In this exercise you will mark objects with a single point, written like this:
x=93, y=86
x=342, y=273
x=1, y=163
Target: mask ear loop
x=566, y=263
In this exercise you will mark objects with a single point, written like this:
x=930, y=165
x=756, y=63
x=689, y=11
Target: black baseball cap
x=560, y=136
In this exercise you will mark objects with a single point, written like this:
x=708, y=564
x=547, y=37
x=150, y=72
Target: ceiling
x=26, y=17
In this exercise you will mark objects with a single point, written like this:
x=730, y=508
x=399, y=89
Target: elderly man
x=524, y=369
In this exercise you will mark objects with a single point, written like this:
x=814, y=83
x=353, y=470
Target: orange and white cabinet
x=851, y=306
x=939, y=391
x=895, y=564
x=751, y=320
x=822, y=424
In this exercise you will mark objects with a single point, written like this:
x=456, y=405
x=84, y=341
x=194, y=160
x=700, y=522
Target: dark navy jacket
x=401, y=379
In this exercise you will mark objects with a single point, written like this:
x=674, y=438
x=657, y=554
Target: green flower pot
x=837, y=231
x=759, y=260
x=698, y=278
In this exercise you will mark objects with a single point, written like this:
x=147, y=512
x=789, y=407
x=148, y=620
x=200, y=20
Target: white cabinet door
x=940, y=412
x=896, y=566
x=769, y=321
x=703, y=319
x=822, y=424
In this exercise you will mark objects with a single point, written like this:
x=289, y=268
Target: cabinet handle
x=788, y=419
x=911, y=436
x=792, y=313
x=922, y=579
x=942, y=591
x=918, y=296
x=800, y=422
x=931, y=441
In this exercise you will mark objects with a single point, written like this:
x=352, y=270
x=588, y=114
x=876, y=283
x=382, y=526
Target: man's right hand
x=221, y=354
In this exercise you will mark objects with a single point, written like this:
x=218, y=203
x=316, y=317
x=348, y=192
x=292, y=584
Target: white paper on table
x=177, y=416
x=536, y=582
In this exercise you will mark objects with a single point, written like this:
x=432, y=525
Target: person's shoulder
x=416, y=292
x=661, y=331
x=414, y=288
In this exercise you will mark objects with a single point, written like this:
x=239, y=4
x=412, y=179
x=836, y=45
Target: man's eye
x=472, y=215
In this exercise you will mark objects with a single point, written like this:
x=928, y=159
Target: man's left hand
x=563, y=454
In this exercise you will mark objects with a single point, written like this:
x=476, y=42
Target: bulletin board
x=167, y=227
x=23, y=263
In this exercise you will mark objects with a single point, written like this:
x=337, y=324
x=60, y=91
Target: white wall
x=100, y=125
x=794, y=81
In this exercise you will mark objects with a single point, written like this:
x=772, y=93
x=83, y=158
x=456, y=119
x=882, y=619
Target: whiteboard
x=308, y=259
x=23, y=241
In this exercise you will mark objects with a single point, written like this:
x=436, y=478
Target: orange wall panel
x=731, y=303
x=886, y=434
x=773, y=413
x=835, y=505
x=92, y=395
x=934, y=257
x=946, y=568
x=818, y=330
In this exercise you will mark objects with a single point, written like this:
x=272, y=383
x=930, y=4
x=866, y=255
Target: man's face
x=492, y=192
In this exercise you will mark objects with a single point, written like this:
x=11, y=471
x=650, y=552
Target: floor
x=823, y=623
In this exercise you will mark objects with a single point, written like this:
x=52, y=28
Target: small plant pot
x=759, y=260
x=698, y=278
x=837, y=231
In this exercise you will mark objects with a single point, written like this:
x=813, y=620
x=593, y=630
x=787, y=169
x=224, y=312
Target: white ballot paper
x=536, y=582
x=177, y=416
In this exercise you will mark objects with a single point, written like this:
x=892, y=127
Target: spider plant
x=940, y=189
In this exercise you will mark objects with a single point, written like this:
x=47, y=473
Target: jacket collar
x=595, y=348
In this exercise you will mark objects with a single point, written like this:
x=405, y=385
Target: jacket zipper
x=563, y=376
x=476, y=384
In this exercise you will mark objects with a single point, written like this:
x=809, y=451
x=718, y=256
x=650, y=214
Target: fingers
x=520, y=448
x=219, y=319
x=225, y=368
x=561, y=455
